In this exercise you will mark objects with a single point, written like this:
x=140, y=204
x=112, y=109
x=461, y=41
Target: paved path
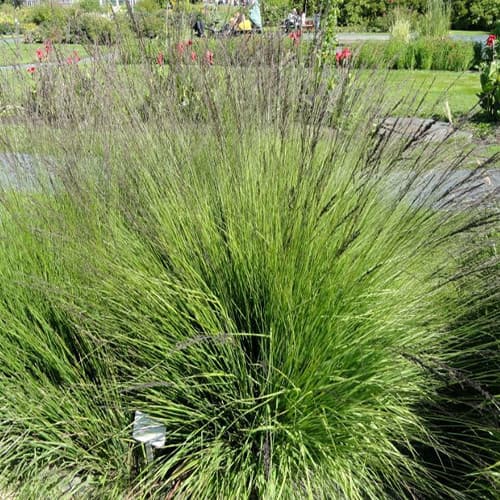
x=458, y=189
x=9, y=67
x=429, y=130
x=37, y=64
x=19, y=172
x=360, y=37
x=470, y=38
x=55, y=63
x=11, y=39
x=346, y=38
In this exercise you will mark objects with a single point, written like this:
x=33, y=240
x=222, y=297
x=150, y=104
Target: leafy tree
x=466, y=14
x=274, y=11
x=356, y=12
x=484, y=13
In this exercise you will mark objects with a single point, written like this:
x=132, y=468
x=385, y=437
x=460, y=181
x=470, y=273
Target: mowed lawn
x=434, y=88
x=459, y=90
x=14, y=53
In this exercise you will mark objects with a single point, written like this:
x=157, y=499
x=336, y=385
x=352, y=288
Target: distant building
x=102, y=3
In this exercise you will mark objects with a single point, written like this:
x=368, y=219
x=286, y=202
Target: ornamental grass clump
x=436, y=21
x=264, y=266
x=400, y=28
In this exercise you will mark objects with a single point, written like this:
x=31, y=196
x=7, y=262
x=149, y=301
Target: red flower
x=31, y=69
x=193, y=56
x=491, y=40
x=160, y=59
x=189, y=43
x=209, y=57
x=343, y=56
x=346, y=53
x=40, y=54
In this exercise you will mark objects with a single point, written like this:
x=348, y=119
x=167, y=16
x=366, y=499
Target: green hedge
x=86, y=27
x=6, y=28
x=422, y=53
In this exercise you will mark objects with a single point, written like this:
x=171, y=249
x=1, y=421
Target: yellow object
x=245, y=25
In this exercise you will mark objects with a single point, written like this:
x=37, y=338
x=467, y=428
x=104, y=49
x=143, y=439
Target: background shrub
x=57, y=23
x=71, y=26
x=440, y=54
x=7, y=20
x=93, y=27
x=150, y=6
x=424, y=50
x=44, y=13
x=150, y=24
x=408, y=59
x=459, y=57
x=132, y=51
x=7, y=27
x=421, y=53
x=394, y=53
x=275, y=11
x=90, y=5
x=370, y=54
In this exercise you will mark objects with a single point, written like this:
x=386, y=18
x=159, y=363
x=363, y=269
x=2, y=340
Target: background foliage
x=466, y=14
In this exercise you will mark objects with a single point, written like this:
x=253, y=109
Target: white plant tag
x=147, y=430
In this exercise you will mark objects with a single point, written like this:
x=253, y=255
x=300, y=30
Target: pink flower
x=193, y=56
x=295, y=36
x=209, y=57
x=160, y=59
x=490, y=41
x=180, y=48
x=31, y=69
x=74, y=58
x=48, y=47
x=40, y=54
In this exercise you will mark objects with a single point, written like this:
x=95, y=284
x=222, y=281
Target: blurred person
x=254, y=15
x=244, y=23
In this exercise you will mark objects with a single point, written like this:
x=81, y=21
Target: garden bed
x=238, y=251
